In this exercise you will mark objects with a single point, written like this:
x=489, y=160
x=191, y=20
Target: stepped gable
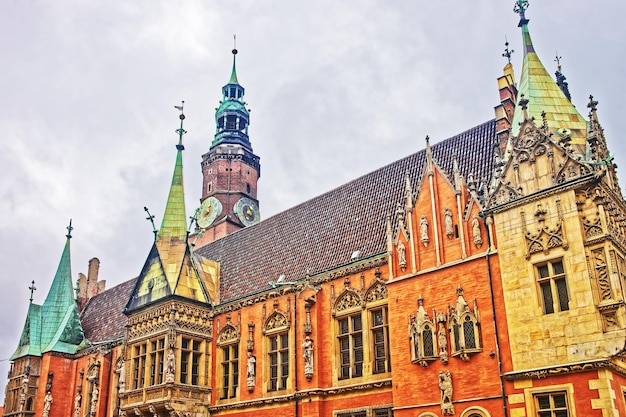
x=102, y=317
x=322, y=233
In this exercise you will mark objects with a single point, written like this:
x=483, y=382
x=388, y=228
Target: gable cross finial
x=507, y=52
x=32, y=289
x=558, y=61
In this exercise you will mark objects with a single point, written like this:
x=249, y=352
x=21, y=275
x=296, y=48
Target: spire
x=231, y=117
x=233, y=75
x=543, y=94
x=174, y=225
x=171, y=268
x=55, y=325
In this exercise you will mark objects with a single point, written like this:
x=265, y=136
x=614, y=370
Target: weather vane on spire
x=520, y=8
x=234, y=44
x=507, y=52
x=558, y=61
x=180, y=130
x=69, y=230
x=32, y=289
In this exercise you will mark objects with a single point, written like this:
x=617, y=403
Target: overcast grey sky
x=336, y=88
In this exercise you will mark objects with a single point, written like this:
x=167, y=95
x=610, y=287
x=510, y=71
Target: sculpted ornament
x=251, y=371
x=401, y=256
x=447, y=219
x=307, y=346
x=478, y=240
x=424, y=230
x=47, y=404
x=442, y=341
x=445, y=385
x=170, y=366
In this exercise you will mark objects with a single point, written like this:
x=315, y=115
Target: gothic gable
x=536, y=160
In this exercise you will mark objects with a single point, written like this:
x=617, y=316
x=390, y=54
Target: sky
x=336, y=88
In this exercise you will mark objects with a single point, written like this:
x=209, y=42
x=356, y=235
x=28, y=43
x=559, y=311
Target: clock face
x=247, y=211
x=209, y=210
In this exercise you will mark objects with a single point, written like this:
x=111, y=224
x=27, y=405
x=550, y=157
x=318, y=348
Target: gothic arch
x=278, y=320
x=229, y=334
x=348, y=300
x=376, y=292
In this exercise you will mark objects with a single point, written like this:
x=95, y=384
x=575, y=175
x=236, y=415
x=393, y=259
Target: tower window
x=248, y=188
x=553, y=287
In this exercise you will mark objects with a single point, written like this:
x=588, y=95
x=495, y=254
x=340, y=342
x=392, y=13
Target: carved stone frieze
x=229, y=334
x=313, y=282
x=377, y=292
x=350, y=298
x=559, y=370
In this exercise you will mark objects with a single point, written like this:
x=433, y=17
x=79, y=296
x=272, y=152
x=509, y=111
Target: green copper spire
x=543, y=94
x=233, y=75
x=55, y=325
x=171, y=268
x=174, y=223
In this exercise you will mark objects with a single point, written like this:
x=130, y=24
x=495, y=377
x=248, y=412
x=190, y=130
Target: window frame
x=282, y=365
x=553, y=282
x=230, y=370
x=530, y=395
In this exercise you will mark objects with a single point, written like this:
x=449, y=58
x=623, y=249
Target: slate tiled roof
x=102, y=317
x=322, y=233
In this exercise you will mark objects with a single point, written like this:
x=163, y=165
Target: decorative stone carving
x=120, y=369
x=401, y=256
x=77, y=402
x=478, y=240
x=377, y=292
x=94, y=400
x=424, y=230
x=349, y=299
x=153, y=411
x=600, y=271
x=228, y=334
x=170, y=366
x=47, y=404
x=447, y=220
x=276, y=321
x=251, y=371
x=442, y=340
x=307, y=347
x=445, y=386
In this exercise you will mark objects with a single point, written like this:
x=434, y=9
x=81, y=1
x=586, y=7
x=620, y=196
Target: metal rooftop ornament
x=507, y=52
x=520, y=8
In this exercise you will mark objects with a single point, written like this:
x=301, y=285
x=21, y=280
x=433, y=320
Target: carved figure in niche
x=251, y=369
x=478, y=240
x=445, y=385
x=77, y=401
x=442, y=341
x=447, y=219
x=307, y=346
x=122, y=379
x=401, y=255
x=94, y=399
x=424, y=230
x=47, y=403
x=170, y=366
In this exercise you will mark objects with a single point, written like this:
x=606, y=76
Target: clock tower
x=230, y=170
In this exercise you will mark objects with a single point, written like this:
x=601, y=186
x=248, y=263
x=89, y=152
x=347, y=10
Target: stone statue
x=401, y=255
x=94, y=400
x=170, y=366
x=442, y=342
x=77, y=401
x=307, y=346
x=445, y=385
x=47, y=403
x=251, y=370
x=478, y=241
x=447, y=219
x=424, y=230
x=122, y=380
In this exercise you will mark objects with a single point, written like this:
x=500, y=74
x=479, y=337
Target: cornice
x=540, y=373
x=302, y=395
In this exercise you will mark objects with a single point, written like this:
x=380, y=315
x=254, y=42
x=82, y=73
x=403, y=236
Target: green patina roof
x=543, y=94
x=169, y=268
x=227, y=105
x=233, y=75
x=55, y=325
